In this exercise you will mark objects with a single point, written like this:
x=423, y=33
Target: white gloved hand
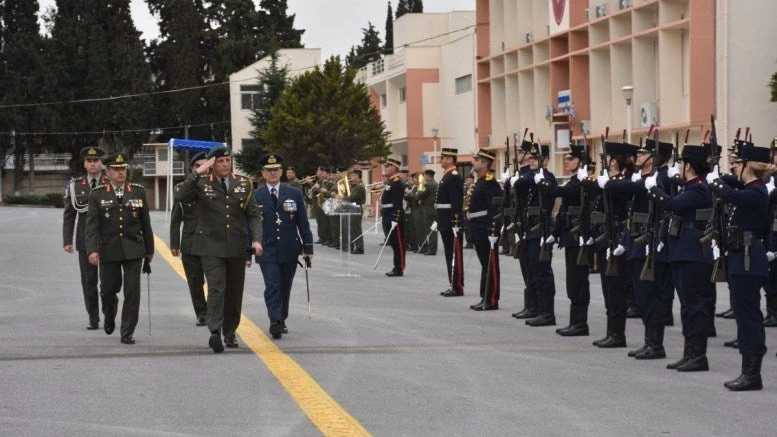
x=581, y=242
x=582, y=172
x=770, y=185
x=602, y=180
x=714, y=174
x=514, y=178
x=770, y=256
x=433, y=227
x=650, y=182
x=492, y=239
x=542, y=241
x=590, y=241
x=607, y=257
x=660, y=246
x=635, y=177
x=517, y=238
x=647, y=250
x=715, y=250
x=539, y=176
x=510, y=226
x=505, y=176
x=551, y=239
x=674, y=170
x=620, y=250
x=394, y=224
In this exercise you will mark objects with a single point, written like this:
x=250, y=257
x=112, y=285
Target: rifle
x=520, y=208
x=717, y=224
x=610, y=225
x=584, y=222
x=547, y=249
x=649, y=237
x=506, y=167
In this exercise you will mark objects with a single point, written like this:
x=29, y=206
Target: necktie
x=274, y=197
x=224, y=184
x=94, y=183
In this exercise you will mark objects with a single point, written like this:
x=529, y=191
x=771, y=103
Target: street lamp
x=628, y=93
x=435, y=131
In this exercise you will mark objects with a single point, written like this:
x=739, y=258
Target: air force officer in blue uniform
x=286, y=236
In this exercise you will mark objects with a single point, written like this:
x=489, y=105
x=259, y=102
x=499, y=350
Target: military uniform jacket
x=358, y=194
x=771, y=223
x=224, y=218
x=695, y=195
x=449, y=192
x=294, y=183
x=188, y=213
x=411, y=202
x=119, y=231
x=618, y=203
x=640, y=207
x=391, y=200
x=532, y=201
x=520, y=191
x=76, y=205
x=486, y=188
x=285, y=227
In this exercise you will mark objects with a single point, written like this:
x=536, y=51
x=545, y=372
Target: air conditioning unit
x=601, y=10
x=624, y=4
x=585, y=126
x=648, y=114
x=529, y=37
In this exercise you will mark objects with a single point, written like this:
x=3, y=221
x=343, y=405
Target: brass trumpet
x=308, y=180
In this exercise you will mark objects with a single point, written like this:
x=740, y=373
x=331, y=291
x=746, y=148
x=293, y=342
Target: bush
x=51, y=199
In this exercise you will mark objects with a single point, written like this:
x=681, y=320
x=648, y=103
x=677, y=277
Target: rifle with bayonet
x=546, y=249
x=649, y=237
x=584, y=221
x=520, y=208
x=610, y=235
x=716, y=227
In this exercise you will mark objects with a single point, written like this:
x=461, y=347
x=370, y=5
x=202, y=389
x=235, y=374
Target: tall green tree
x=388, y=47
x=325, y=115
x=278, y=27
x=416, y=6
x=272, y=82
x=402, y=8
x=773, y=87
x=369, y=50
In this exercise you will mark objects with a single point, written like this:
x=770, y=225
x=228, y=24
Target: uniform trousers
x=539, y=273
x=647, y=294
x=489, y=263
x=578, y=287
x=665, y=282
x=195, y=278
x=226, y=277
x=693, y=290
x=89, y=274
x=453, y=249
x=110, y=285
x=397, y=243
x=746, y=293
x=278, y=278
x=614, y=288
x=355, y=221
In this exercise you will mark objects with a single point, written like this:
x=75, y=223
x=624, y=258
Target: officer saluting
x=392, y=215
x=76, y=205
x=482, y=215
x=118, y=237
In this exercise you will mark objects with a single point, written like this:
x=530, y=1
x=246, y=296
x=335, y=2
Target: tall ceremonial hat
x=755, y=153
x=526, y=146
x=537, y=148
x=218, y=151
x=485, y=154
x=694, y=153
x=447, y=151
x=575, y=151
x=271, y=160
x=663, y=148
x=394, y=162
x=197, y=156
x=91, y=153
x=623, y=149
x=118, y=160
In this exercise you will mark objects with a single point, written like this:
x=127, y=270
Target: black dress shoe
x=94, y=325
x=613, y=342
x=655, y=352
x=109, y=326
x=230, y=341
x=394, y=272
x=472, y=307
x=284, y=329
x=542, y=320
x=276, y=331
x=484, y=307
x=452, y=293
x=430, y=253
x=358, y=251
x=127, y=339
x=525, y=314
x=215, y=342
x=732, y=343
x=728, y=314
x=573, y=331
x=201, y=322
x=638, y=351
x=606, y=338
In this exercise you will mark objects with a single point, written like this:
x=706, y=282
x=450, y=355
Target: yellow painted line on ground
x=328, y=416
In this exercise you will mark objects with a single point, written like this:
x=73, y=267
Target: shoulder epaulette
x=489, y=177
x=101, y=187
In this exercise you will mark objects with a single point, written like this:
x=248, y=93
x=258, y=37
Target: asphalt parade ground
x=378, y=355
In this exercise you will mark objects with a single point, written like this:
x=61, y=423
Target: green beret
x=218, y=152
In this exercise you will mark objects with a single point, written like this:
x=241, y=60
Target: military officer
x=359, y=197
x=76, y=205
x=469, y=185
x=411, y=210
x=484, y=209
x=392, y=215
x=181, y=244
x=227, y=211
x=286, y=235
x=316, y=195
x=448, y=220
x=426, y=199
x=519, y=193
x=291, y=178
x=118, y=237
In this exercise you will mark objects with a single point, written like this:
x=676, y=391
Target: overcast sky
x=332, y=25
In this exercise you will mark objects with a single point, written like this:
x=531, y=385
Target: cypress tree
x=402, y=8
x=416, y=6
x=388, y=48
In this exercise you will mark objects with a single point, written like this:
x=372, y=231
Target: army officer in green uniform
x=226, y=207
x=118, y=237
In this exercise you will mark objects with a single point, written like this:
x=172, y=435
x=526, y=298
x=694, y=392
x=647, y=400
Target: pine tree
x=402, y=8
x=278, y=27
x=388, y=47
x=416, y=6
x=325, y=115
x=369, y=50
x=773, y=87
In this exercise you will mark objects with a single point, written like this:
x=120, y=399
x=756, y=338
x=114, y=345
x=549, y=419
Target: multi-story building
x=424, y=91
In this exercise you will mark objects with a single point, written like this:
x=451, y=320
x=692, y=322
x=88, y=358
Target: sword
x=307, y=280
x=147, y=271
x=393, y=225
x=422, y=245
x=364, y=233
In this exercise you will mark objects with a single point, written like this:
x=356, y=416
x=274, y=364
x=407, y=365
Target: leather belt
x=386, y=205
x=442, y=206
x=471, y=215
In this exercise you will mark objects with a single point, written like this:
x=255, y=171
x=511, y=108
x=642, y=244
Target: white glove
x=602, y=179
x=590, y=241
x=510, y=226
x=581, y=242
x=517, y=238
x=582, y=172
x=635, y=177
x=492, y=239
x=607, y=257
x=714, y=174
x=673, y=170
x=660, y=246
x=539, y=176
x=770, y=185
x=514, y=178
x=551, y=239
x=542, y=241
x=770, y=256
x=647, y=250
x=394, y=224
x=715, y=250
x=650, y=182
x=505, y=176
x=620, y=250
x=433, y=227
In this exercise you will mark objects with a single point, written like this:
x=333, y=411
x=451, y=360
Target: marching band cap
x=756, y=154
x=526, y=146
x=485, y=154
x=357, y=171
x=115, y=160
x=332, y=169
x=447, y=151
x=91, y=152
x=429, y=172
x=217, y=152
x=271, y=160
x=197, y=156
x=622, y=149
x=695, y=153
x=537, y=148
x=394, y=162
x=404, y=170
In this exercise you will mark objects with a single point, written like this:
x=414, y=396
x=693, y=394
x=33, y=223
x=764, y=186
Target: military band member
x=410, y=203
x=334, y=219
x=426, y=199
x=181, y=244
x=691, y=261
x=747, y=262
x=448, y=220
x=317, y=195
x=484, y=210
x=76, y=206
x=118, y=238
x=228, y=218
x=359, y=197
x=286, y=235
x=291, y=178
x=392, y=215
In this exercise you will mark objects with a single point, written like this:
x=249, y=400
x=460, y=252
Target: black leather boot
x=547, y=313
x=698, y=359
x=578, y=322
x=732, y=343
x=750, y=379
x=655, y=344
x=684, y=359
x=529, y=310
x=618, y=336
x=644, y=346
x=607, y=336
x=770, y=321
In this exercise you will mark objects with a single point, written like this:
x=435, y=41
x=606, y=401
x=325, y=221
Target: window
x=402, y=94
x=383, y=101
x=249, y=96
x=161, y=154
x=463, y=83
